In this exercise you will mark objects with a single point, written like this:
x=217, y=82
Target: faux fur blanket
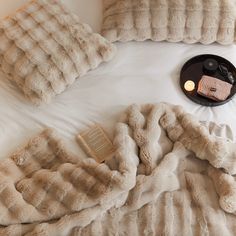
x=170, y=175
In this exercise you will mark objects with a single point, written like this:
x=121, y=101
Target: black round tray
x=193, y=70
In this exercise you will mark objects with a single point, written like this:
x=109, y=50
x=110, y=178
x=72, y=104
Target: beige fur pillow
x=191, y=21
x=44, y=48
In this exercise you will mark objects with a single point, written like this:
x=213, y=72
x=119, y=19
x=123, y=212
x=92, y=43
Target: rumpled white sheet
x=142, y=72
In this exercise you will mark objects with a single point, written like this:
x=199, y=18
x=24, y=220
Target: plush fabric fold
x=165, y=178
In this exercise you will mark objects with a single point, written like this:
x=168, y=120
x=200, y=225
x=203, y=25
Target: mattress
x=141, y=72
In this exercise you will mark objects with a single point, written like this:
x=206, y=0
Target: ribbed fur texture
x=155, y=184
x=190, y=21
x=44, y=48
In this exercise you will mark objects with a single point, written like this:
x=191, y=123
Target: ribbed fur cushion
x=44, y=48
x=191, y=21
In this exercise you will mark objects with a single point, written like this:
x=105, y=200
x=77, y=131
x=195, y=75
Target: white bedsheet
x=142, y=72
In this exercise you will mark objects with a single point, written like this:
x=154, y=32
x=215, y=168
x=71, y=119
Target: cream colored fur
x=190, y=21
x=155, y=184
x=44, y=48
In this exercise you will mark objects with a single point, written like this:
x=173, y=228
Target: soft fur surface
x=44, y=48
x=191, y=21
x=157, y=183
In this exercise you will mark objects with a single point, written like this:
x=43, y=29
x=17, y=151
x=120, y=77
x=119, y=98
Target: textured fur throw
x=44, y=48
x=191, y=21
x=165, y=178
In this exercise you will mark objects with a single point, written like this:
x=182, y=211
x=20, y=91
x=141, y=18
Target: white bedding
x=144, y=72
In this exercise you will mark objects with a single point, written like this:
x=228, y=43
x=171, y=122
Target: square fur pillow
x=191, y=21
x=44, y=48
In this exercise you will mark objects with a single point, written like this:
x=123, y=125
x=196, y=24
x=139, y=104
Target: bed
x=141, y=72
x=180, y=192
